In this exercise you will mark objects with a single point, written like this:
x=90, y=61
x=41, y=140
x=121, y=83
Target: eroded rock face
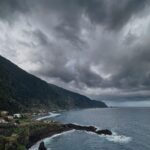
x=42, y=146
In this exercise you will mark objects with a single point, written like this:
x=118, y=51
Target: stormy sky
x=100, y=48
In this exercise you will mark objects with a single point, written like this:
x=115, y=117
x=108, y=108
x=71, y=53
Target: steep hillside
x=21, y=91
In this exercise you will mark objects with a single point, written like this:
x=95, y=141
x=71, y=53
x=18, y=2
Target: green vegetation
x=11, y=143
x=25, y=134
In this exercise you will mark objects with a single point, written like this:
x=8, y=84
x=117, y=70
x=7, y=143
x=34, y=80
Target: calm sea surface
x=130, y=126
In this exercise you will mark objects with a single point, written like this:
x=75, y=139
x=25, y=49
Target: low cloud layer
x=96, y=47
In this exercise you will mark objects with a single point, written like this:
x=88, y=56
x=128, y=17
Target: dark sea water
x=130, y=126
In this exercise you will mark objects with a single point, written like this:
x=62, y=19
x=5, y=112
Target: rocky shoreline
x=67, y=127
x=26, y=132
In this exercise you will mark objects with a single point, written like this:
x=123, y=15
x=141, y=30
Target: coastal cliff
x=23, y=92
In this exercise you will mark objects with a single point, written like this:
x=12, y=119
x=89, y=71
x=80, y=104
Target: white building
x=17, y=115
x=10, y=118
x=2, y=121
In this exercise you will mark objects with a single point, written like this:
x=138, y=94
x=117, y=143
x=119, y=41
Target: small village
x=17, y=118
x=17, y=130
x=5, y=117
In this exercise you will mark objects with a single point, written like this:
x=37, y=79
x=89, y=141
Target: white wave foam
x=117, y=138
x=59, y=134
x=114, y=137
x=51, y=115
x=97, y=128
x=47, y=140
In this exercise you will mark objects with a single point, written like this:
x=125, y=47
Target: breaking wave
x=114, y=137
x=51, y=115
x=47, y=140
x=118, y=138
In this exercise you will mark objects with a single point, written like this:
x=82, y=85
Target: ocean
x=130, y=127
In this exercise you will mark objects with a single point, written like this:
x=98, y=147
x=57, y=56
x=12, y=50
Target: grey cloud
x=134, y=71
x=114, y=14
x=9, y=9
x=69, y=33
x=41, y=37
x=125, y=73
x=88, y=77
x=66, y=38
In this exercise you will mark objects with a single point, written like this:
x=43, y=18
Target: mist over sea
x=130, y=126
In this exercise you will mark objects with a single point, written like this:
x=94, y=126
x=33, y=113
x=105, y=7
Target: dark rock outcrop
x=79, y=127
x=42, y=146
x=88, y=128
x=105, y=132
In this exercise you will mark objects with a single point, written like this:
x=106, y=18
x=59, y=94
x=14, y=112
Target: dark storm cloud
x=89, y=45
x=9, y=9
x=111, y=14
x=135, y=73
x=114, y=14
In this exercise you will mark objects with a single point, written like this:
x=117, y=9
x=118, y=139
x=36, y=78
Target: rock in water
x=105, y=132
x=42, y=146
